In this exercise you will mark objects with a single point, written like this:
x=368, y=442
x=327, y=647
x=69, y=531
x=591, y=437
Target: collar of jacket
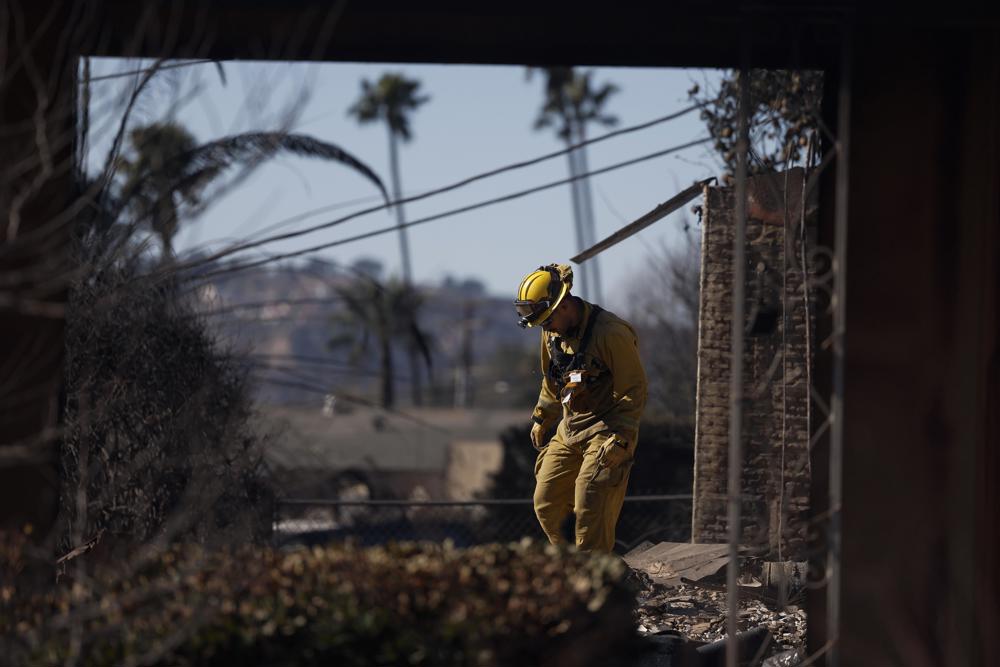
x=575, y=333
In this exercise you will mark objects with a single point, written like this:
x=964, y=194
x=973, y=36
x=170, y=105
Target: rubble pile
x=700, y=615
x=681, y=593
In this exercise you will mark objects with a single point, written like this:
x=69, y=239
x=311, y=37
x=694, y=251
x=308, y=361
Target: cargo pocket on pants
x=611, y=477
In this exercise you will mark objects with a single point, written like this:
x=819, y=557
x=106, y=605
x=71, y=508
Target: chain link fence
x=654, y=518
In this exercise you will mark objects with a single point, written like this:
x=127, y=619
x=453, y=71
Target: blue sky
x=478, y=118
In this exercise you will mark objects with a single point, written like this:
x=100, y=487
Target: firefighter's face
x=561, y=319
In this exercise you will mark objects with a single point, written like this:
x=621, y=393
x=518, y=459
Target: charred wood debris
x=683, y=618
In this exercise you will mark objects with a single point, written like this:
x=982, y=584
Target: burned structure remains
x=780, y=309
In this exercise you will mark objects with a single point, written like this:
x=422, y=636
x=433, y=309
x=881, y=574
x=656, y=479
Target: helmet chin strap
x=572, y=306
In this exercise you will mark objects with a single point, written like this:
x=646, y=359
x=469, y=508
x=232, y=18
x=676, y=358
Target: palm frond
x=391, y=98
x=188, y=171
x=249, y=146
x=366, y=109
x=569, y=99
x=422, y=342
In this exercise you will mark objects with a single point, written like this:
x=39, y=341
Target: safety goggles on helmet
x=533, y=312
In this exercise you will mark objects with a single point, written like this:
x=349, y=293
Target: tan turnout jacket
x=613, y=401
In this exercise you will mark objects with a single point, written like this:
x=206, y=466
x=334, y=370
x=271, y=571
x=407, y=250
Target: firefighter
x=593, y=392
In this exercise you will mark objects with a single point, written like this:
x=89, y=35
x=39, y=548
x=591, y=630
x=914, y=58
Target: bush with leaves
x=159, y=442
x=784, y=111
x=402, y=604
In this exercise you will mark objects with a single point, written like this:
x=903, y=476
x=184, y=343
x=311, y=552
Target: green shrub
x=403, y=604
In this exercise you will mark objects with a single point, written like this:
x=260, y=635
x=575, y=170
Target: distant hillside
x=281, y=320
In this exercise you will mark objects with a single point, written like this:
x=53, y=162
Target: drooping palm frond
x=185, y=172
x=406, y=303
x=166, y=169
x=215, y=156
x=421, y=341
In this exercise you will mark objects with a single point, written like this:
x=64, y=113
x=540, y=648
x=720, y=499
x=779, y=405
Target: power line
x=352, y=399
x=294, y=374
x=267, y=321
x=306, y=214
x=305, y=359
x=144, y=70
x=313, y=364
x=464, y=209
x=437, y=191
x=483, y=502
x=318, y=374
x=305, y=374
x=285, y=222
x=303, y=386
x=267, y=304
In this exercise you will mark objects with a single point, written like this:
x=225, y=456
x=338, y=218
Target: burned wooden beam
x=661, y=211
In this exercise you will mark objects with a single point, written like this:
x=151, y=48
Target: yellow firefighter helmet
x=541, y=292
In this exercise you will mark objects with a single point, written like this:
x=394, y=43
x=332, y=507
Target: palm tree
x=166, y=171
x=152, y=185
x=386, y=313
x=392, y=99
x=570, y=104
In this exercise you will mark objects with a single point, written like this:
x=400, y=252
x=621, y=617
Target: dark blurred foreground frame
x=921, y=386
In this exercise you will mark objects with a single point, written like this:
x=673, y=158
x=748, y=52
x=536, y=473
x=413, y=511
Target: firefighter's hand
x=538, y=433
x=613, y=453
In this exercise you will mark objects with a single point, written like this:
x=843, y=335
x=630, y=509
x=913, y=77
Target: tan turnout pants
x=568, y=479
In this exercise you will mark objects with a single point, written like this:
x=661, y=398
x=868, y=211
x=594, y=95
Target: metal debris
x=680, y=591
x=698, y=614
x=667, y=562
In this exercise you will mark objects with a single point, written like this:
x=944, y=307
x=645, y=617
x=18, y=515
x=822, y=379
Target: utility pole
x=587, y=209
x=579, y=224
